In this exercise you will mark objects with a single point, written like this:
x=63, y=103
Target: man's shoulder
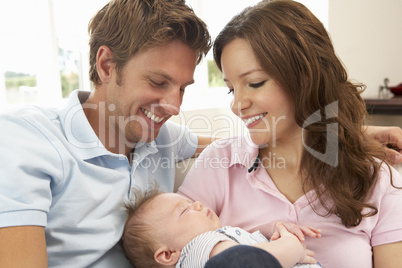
x=27, y=136
x=29, y=115
x=172, y=134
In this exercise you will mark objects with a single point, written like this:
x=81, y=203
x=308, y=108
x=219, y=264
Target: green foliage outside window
x=69, y=82
x=15, y=80
x=214, y=75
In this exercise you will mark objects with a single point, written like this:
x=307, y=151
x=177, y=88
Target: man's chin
x=148, y=138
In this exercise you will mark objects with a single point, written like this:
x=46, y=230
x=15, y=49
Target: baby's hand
x=297, y=230
x=306, y=255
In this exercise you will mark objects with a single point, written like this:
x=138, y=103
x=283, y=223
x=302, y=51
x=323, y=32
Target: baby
x=167, y=229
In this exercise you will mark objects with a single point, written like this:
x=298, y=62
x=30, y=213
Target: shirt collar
x=80, y=133
x=244, y=152
x=78, y=130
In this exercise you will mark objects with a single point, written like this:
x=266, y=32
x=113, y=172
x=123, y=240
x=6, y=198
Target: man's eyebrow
x=170, y=79
x=164, y=75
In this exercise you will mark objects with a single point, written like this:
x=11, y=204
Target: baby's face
x=179, y=219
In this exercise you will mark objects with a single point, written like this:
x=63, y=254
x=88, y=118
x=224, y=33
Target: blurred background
x=44, y=54
x=44, y=46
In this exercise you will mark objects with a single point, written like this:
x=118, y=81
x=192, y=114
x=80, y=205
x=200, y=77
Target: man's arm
x=23, y=246
x=391, y=138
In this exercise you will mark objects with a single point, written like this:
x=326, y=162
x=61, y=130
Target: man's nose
x=171, y=101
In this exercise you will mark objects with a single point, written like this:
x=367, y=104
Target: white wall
x=367, y=36
x=218, y=122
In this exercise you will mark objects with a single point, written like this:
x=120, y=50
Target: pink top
x=219, y=179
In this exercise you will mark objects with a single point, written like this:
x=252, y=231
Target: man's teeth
x=151, y=116
x=250, y=120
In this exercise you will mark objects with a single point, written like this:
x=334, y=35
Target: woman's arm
x=388, y=255
x=23, y=246
x=288, y=250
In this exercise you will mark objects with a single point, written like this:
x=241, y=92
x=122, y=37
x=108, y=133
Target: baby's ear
x=166, y=256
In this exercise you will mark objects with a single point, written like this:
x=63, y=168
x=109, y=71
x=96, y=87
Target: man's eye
x=231, y=91
x=155, y=83
x=257, y=85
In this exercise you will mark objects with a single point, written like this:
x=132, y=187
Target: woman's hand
x=306, y=256
x=287, y=249
x=299, y=231
x=271, y=231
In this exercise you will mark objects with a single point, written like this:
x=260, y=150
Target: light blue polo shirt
x=56, y=173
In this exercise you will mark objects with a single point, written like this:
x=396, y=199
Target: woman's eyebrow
x=249, y=72
x=246, y=73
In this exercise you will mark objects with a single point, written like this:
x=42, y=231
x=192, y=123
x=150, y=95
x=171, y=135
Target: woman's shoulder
x=389, y=179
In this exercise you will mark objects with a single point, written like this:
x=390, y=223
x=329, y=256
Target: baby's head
x=160, y=224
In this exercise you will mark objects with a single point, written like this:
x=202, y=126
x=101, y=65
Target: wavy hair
x=293, y=47
x=127, y=27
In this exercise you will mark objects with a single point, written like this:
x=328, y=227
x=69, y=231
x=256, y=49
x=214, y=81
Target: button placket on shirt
x=142, y=153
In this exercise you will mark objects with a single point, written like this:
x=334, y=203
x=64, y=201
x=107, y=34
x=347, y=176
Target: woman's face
x=259, y=101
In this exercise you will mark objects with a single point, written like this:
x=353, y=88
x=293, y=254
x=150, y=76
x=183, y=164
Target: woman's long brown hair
x=294, y=48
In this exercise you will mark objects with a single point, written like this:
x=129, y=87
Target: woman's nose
x=240, y=102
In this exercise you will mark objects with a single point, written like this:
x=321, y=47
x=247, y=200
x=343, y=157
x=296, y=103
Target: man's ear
x=104, y=63
x=166, y=256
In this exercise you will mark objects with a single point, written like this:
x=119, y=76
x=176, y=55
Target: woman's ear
x=104, y=63
x=166, y=256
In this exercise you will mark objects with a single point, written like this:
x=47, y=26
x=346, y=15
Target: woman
x=309, y=162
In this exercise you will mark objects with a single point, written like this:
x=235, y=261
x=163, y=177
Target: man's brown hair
x=127, y=27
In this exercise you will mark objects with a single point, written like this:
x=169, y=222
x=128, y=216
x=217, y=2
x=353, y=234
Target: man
x=69, y=169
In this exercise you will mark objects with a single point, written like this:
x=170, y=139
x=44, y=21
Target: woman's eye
x=257, y=85
x=231, y=91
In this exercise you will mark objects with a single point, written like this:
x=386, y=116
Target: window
x=44, y=49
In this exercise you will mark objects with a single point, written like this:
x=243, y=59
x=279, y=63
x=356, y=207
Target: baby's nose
x=197, y=205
